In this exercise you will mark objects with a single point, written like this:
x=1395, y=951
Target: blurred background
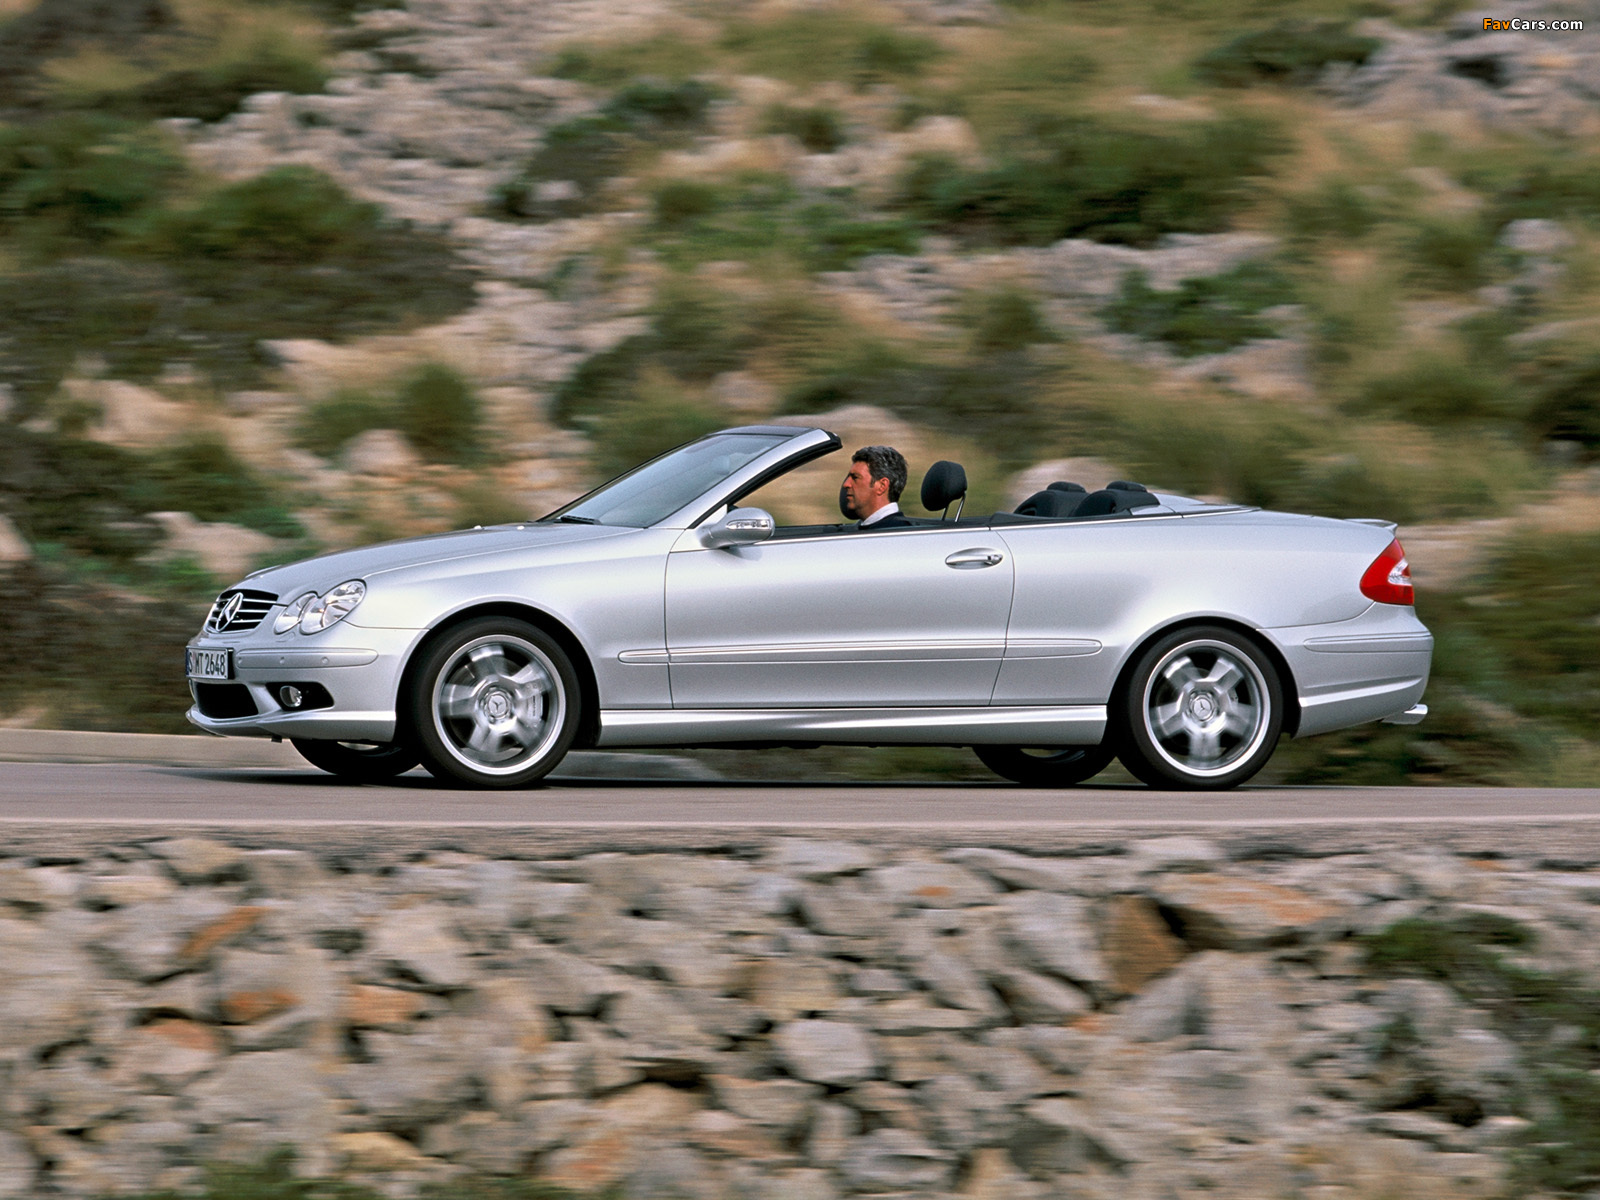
x=285, y=277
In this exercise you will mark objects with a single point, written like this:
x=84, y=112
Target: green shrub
x=1436, y=388
x=585, y=151
x=1086, y=178
x=76, y=179
x=325, y=427
x=291, y=215
x=663, y=55
x=678, y=202
x=820, y=129
x=1004, y=319
x=758, y=216
x=1450, y=253
x=1335, y=209
x=809, y=46
x=1204, y=315
x=663, y=104
x=213, y=91
x=1567, y=402
x=439, y=413
x=202, y=476
x=1555, y=188
x=1291, y=52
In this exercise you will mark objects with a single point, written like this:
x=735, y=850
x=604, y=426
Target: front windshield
x=653, y=492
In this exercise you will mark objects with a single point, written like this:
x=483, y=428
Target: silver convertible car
x=1181, y=636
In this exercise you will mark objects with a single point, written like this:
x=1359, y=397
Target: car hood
x=367, y=562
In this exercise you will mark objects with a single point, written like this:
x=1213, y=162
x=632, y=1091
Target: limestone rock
x=224, y=551
x=827, y=1052
x=14, y=547
x=1234, y=912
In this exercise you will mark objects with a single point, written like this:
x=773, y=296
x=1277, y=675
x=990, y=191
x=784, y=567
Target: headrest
x=1061, y=485
x=1052, y=502
x=1114, y=500
x=1124, y=485
x=943, y=485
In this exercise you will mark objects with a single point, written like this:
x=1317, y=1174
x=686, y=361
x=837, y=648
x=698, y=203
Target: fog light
x=291, y=697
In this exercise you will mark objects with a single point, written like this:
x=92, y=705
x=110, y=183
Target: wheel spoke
x=1180, y=671
x=456, y=700
x=1225, y=674
x=1205, y=745
x=1167, y=719
x=532, y=678
x=1240, y=720
x=485, y=739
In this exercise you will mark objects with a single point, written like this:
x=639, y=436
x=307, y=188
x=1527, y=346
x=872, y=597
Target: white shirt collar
x=891, y=507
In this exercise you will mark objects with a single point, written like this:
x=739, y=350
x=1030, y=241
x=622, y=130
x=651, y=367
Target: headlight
x=290, y=616
x=321, y=612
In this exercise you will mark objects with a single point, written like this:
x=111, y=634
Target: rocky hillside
x=300, y=277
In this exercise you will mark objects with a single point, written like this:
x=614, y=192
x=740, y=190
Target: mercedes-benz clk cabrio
x=1181, y=636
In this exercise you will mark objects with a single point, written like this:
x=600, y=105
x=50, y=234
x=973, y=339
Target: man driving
x=871, y=491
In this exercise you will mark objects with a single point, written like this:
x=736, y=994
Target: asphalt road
x=245, y=796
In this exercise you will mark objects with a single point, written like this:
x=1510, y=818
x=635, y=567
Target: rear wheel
x=494, y=703
x=1046, y=766
x=1203, y=709
x=358, y=762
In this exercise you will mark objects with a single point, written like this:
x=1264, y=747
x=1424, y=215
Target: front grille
x=224, y=701
x=252, y=607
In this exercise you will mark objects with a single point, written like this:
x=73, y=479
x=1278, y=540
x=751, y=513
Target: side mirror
x=741, y=527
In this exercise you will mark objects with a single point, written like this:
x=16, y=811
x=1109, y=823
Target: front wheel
x=494, y=704
x=357, y=762
x=1202, y=709
x=1046, y=766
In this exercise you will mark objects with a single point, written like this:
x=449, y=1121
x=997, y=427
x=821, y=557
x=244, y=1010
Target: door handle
x=978, y=557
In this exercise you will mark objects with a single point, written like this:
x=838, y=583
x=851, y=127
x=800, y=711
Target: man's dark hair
x=884, y=462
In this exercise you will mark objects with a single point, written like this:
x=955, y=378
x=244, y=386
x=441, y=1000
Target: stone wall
x=761, y=1017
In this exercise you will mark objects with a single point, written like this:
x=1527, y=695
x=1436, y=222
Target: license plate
x=208, y=664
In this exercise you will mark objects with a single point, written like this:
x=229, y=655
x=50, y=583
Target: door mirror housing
x=741, y=527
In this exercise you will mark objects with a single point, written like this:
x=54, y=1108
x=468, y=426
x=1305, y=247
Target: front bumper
x=358, y=670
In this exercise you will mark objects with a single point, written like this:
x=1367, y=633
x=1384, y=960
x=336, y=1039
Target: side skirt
x=1060, y=725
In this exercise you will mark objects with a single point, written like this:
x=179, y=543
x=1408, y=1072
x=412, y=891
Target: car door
x=906, y=617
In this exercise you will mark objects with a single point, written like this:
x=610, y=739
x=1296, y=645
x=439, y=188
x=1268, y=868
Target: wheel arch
x=588, y=685
x=1280, y=664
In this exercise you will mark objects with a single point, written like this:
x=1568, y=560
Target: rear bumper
x=1371, y=668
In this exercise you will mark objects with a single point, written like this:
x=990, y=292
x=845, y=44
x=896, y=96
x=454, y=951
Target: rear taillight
x=1388, y=579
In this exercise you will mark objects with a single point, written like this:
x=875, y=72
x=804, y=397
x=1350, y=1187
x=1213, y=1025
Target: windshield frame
x=799, y=444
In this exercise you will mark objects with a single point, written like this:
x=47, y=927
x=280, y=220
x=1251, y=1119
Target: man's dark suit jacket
x=895, y=520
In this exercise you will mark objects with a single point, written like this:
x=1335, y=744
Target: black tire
x=1202, y=709
x=356, y=762
x=493, y=703
x=1046, y=766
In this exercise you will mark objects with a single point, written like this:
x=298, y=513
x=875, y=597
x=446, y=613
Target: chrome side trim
x=835, y=652
x=260, y=660
x=643, y=658
x=1059, y=725
x=1412, y=716
x=823, y=652
x=1383, y=643
x=1051, y=648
